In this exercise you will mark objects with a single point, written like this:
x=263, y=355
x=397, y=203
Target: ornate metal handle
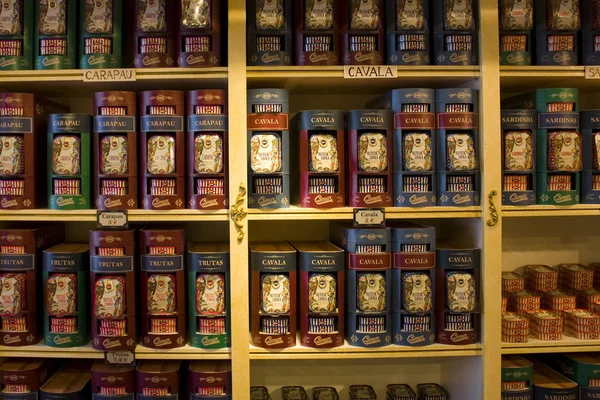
x=238, y=214
x=493, y=212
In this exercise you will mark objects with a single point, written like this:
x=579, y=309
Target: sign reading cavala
x=370, y=72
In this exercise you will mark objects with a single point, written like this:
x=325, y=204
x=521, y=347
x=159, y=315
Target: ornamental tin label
x=11, y=155
x=10, y=17
x=364, y=14
x=151, y=17
x=417, y=152
x=563, y=15
x=109, y=297
x=564, y=151
x=409, y=14
x=161, y=154
x=458, y=14
x=372, y=152
x=275, y=294
x=416, y=292
x=516, y=15
x=460, y=152
x=61, y=294
x=265, y=152
x=113, y=157
x=323, y=153
x=460, y=292
x=210, y=294
x=208, y=153
x=269, y=14
x=12, y=294
x=195, y=13
x=322, y=293
x=161, y=294
x=318, y=14
x=518, y=151
x=66, y=155
x=52, y=17
x=98, y=16
x=371, y=292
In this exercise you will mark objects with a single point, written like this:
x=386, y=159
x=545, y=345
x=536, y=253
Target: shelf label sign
x=370, y=72
x=109, y=75
x=119, y=357
x=369, y=217
x=592, y=72
x=112, y=219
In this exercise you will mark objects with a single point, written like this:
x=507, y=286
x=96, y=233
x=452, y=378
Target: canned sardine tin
x=564, y=151
x=461, y=152
x=52, y=17
x=151, y=17
x=318, y=14
x=516, y=15
x=161, y=294
x=460, y=291
x=275, y=294
x=98, y=16
x=323, y=153
x=109, y=297
x=269, y=14
x=372, y=152
x=322, y=293
x=196, y=13
x=11, y=155
x=265, y=153
x=371, y=292
x=518, y=153
x=12, y=294
x=208, y=152
x=210, y=294
x=365, y=14
x=563, y=15
x=409, y=14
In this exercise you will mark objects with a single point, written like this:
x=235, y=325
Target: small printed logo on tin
x=266, y=58
x=61, y=202
x=208, y=203
x=191, y=59
x=458, y=199
x=109, y=203
x=414, y=339
x=320, y=341
x=457, y=337
x=559, y=198
x=7, y=62
x=62, y=340
x=270, y=341
x=265, y=201
x=515, y=58
x=320, y=200
x=157, y=203
x=561, y=57
x=368, y=199
x=455, y=58
x=408, y=58
x=158, y=342
x=314, y=57
x=93, y=60
x=206, y=341
x=414, y=199
x=363, y=57
x=47, y=61
x=9, y=203
x=109, y=344
x=368, y=340
x=150, y=60
x=7, y=339
x=517, y=198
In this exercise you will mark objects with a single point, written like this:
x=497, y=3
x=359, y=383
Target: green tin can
x=100, y=35
x=16, y=34
x=55, y=42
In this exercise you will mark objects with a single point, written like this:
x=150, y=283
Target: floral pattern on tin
x=66, y=154
x=564, y=151
x=460, y=289
x=518, y=151
x=161, y=154
x=98, y=16
x=461, y=152
x=12, y=294
x=113, y=157
x=563, y=15
x=275, y=294
x=516, y=15
x=416, y=292
x=318, y=14
x=323, y=153
x=161, y=294
x=11, y=17
x=458, y=14
x=409, y=14
x=210, y=294
x=265, y=153
x=365, y=14
x=417, y=152
x=52, y=17
x=596, y=150
x=596, y=15
x=208, y=153
x=151, y=17
x=322, y=293
x=195, y=13
x=109, y=297
x=372, y=152
x=61, y=294
x=371, y=292
x=269, y=14
x=11, y=155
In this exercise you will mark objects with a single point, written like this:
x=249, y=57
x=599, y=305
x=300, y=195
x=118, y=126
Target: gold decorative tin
x=66, y=153
x=275, y=294
x=195, y=13
x=98, y=16
x=365, y=14
x=372, y=152
x=460, y=292
x=11, y=18
x=113, y=159
x=210, y=294
x=208, y=153
x=516, y=15
x=12, y=294
x=409, y=14
x=318, y=14
x=461, y=152
x=109, y=297
x=161, y=154
x=371, y=292
x=269, y=14
x=417, y=152
x=265, y=154
x=323, y=153
x=152, y=17
x=416, y=292
x=563, y=15
x=11, y=155
x=61, y=294
x=564, y=151
x=322, y=293
x=518, y=151
x=52, y=17
x=458, y=14
x=161, y=294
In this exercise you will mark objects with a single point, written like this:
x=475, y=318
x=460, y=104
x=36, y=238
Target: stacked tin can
x=400, y=392
x=199, y=34
x=317, y=38
x=590, y=147
x=209, y=317
x=362, y=29
x=55, y=45
x=362, y=392
x=113, y=380
x=581, y=324
x=23, y=377
x=516, y=27
x=515, y=325
x=458, y=147
x=590, y=32
x=431, y=391
x=413, y=286
x=455, y=32
x=518, y=167
x=65, y=277
x=154, y=34
x=157, y=378
x=100, y=35
x=407, y=33
x=293, y=393
x=557, y=30
x=268, y=142
x=269, y=34
x=517, y=375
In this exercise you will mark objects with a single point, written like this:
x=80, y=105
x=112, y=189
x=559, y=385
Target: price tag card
x=119, y=357
x=117, y=219
x=369, y=217
x=592, y=72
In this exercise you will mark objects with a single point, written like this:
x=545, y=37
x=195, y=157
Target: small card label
x=369, y=217
x=119, y=357
x=109, y=75
x=113, y=219
x=370, y=72
x=592, y=72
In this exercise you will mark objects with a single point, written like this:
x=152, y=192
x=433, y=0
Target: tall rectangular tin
x=408, y=32
x=317, y=33
x=516, y=28
x=154, y=34
x=55, y=40
x=18, y=33
x=557, y=41
x=362, y=30
x=590, y=145
x=269, y=32
x=100, y=34
x=455, y=32
x=200, y=40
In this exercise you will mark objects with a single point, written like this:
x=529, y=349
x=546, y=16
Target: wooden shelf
x=69, y=82
x=522, y=79
x=316, y=79
x=352, y=352
x=551, y=211
x=134, y=215
x=346, y=213
x=141, y=353
x=568, y=344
